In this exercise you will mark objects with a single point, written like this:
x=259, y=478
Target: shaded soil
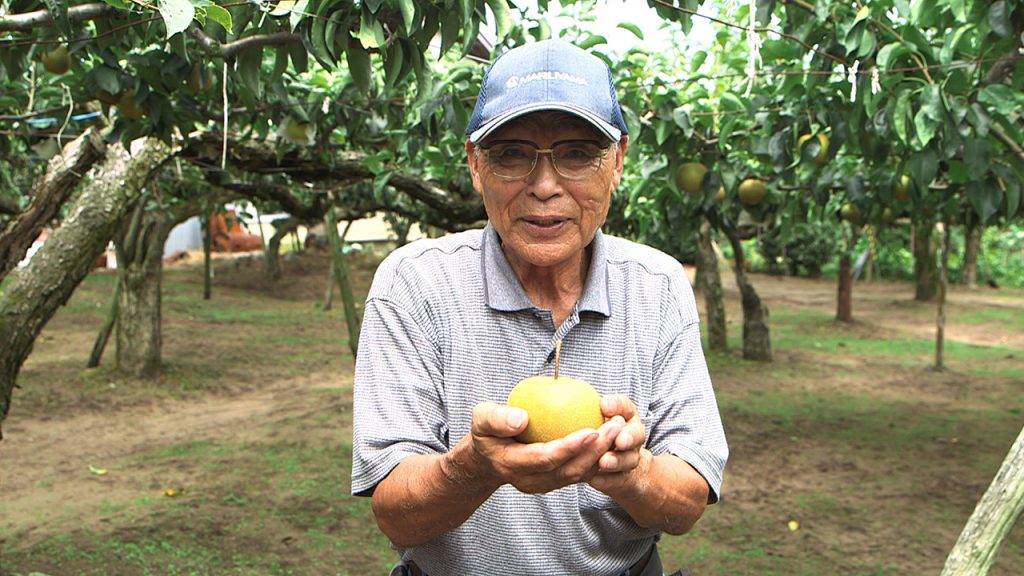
x=243, y=441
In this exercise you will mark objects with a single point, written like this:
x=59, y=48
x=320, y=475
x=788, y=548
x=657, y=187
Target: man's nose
x=545, y=181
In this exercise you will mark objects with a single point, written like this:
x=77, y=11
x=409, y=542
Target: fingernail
x=515, y=419
x=607, y=403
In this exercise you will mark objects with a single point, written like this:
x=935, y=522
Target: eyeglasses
x=572, y=159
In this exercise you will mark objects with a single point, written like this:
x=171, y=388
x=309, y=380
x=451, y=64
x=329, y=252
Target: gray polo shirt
x=447, y=325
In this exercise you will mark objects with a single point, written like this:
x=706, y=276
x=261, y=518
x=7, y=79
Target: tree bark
x=108, y=325
x=940, y=320
x=272, y=253
x=69, y=254
x=709, y=282
x=993, y=518
x=756, y=334
x=925, y=269
x=352, y=319
x=140, y=244
x=972, y=249
x=207, y=251
x=844, y=290
x=49, y=194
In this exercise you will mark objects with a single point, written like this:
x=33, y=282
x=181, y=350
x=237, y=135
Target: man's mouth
x=547, y=221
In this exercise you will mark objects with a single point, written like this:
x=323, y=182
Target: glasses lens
x=512, y=159
x=577, y=159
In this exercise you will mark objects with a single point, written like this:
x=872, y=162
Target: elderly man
x=452, y=324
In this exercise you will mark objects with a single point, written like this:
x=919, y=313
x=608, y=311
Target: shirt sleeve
x=398, y=398
x=684, y=416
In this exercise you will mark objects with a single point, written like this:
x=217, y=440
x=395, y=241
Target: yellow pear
x=557, y=406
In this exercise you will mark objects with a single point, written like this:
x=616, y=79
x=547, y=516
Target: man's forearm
x=667, y=494
x=428, y=495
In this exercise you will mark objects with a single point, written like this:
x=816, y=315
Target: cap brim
x=613, y=133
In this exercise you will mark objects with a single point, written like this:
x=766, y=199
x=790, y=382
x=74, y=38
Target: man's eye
x=579, y=152
x=510, y=152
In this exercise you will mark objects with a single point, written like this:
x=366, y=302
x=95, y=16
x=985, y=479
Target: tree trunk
x=69, y=254
x=329, y=289
x=140, y=246
x=352, y=319
x=844, y=291
x=272, y=253
x=993, y=518
x=969, y=276
x=49, y=194
x=925, y=269
x=757, y=343
x=709, y=281
x=207, y=250
x=108, y=325
x=940, y=321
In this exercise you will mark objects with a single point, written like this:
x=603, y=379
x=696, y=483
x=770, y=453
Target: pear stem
x=558, y=354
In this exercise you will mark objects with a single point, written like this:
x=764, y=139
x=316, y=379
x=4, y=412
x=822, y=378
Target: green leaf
x=978, y=117
x=960, y=9
x=1000, y=97
x=58, y=10
x=682, y=120
x=219, y=15
x=931, y=102
x=591, y=41
x=358, y=65
x=502, y=18
x=999, y=18
x=177, y=15
x=862, y=14
x=985, y=196
x=381, y=181
x=634, y=29
x=408, y=10
x=249, y=62
x=299, y=56
x=697, y=60
x=1010, y=183
x=107, y=79
x=466, y=8
x=901, y=117
x=394, y=60
x=119, y=4
x=890, y=54
x=977, y=153
x=922, y=168
x=371, y=33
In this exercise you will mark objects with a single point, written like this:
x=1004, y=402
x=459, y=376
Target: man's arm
x=428, y=495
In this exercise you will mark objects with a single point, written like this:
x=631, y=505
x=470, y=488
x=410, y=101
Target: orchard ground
x=849, y=454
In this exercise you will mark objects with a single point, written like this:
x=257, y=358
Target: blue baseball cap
x=548, y=75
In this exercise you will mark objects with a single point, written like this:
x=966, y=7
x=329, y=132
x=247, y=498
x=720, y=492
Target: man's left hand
x=617, y=465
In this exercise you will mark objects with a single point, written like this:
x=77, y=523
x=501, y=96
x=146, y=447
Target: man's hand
x=541, y=466
x=618, y=467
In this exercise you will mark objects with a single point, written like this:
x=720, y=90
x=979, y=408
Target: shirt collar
x=504, y=292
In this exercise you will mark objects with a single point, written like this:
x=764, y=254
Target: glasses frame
x=550, y=152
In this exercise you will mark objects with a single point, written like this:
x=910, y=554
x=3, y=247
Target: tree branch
x=49, y=194
x=29, y=20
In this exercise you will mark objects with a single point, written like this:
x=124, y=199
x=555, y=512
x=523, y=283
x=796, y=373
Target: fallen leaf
x=97, y=471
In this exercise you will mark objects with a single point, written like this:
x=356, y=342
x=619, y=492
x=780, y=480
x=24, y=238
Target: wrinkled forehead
x=554, y=124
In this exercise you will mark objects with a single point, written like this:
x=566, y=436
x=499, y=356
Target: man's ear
x=620, y=160
x=474, y=165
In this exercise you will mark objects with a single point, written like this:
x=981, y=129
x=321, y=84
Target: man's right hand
x=532, y=468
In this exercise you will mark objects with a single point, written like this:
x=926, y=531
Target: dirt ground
x=68, y=426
